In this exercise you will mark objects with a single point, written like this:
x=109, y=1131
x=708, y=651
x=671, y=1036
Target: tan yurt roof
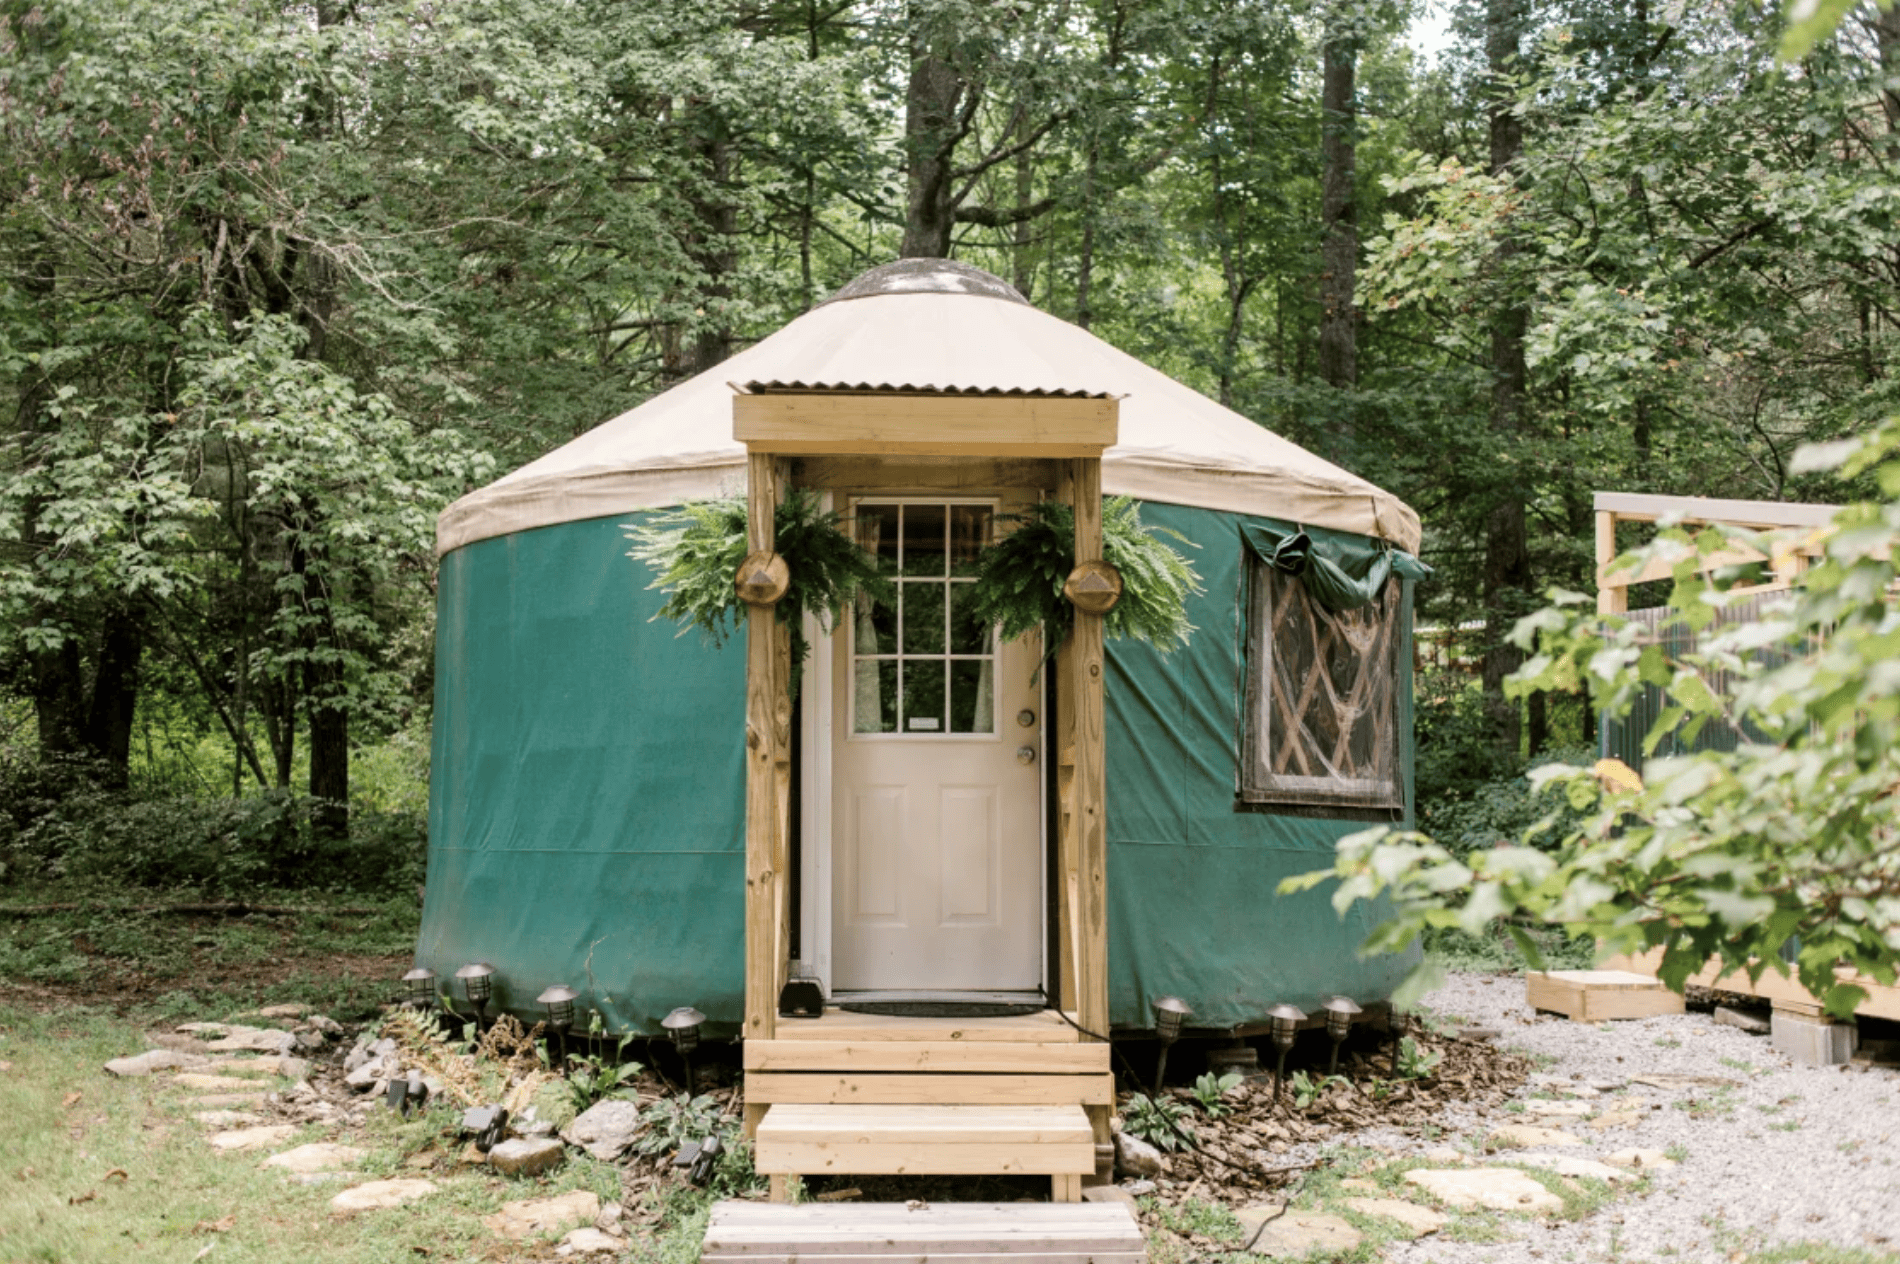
x=931, y=325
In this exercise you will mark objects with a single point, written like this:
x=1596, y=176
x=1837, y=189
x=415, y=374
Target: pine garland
x=1019, y=579
x=694, y=552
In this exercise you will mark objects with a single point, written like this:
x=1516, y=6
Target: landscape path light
x=1339, y=1015
x=1170, y=1013
x=478, y=984
x=559, y=1000
x=683, y=1026
x=419, y=988
x=1284, y=1021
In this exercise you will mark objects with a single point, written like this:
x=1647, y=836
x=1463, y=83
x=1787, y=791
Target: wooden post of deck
x=765, y=879
x=1088, y=816
x=1611, y=599
x=1089, y=794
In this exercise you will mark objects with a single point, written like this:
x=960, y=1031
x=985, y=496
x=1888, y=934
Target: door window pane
x=968, y=634
x=874, y=702
x=923, y=617
x=924, y=527
x=877, y=532
x=923, y=696
x=969, y=532
x=972, y=697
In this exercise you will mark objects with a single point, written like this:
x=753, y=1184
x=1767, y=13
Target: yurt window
x=1322, y=699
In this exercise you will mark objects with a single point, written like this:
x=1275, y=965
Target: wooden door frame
x=817, y=733
x=774, y=425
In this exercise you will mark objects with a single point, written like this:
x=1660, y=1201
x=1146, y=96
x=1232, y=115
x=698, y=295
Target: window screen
x=1322, y=706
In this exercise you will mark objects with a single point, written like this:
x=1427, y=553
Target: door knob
x=1025, y=754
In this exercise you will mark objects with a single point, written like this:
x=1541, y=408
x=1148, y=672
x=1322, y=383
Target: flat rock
x=1443, y=1154
x=1497, y=1188
x=606, y=1129
x=589, y=1241
x=214, y=1083
x=378, y=1194
x=1107, y=1194
x=1673, y=1082
x=1418, y=1221
x=1621, y=1117
x=154, y=1060
x=251, y=1066
x=1525, y=1136
x=525, y=1156
x=1135, y=1157
x=1296, y=1232
x=1358, y=1185
x=1561, y=1110
x=1585, y=1091
x=318, y=1156
x=209, y=1030
x=227, y=1118
x=223, y=1101
x=530, y=1216
x=1570, y=1165
x=1647, y=1160
x=289, y=1009
x=379, y=1070
x=253, y=1138
x=260, y=1039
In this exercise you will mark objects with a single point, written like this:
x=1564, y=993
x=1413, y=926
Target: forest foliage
x=278, y=281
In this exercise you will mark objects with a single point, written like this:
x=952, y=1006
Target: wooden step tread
x=1026, y=1057
x=896, y=1088
x=811, y=1140
x=839, y=1232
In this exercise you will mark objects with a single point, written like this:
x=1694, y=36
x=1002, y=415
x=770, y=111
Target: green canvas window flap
x=1342, y=572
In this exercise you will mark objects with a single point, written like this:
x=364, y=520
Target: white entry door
x=936, y=768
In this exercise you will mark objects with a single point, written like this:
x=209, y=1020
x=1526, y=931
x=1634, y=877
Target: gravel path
x=1790, y=1154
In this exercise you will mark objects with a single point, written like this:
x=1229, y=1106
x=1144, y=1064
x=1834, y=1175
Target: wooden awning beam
x=865, y=423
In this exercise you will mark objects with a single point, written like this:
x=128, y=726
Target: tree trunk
x=931, y=132
x=1339, y=249
x=1507, y=571
x=710, y=243
x=115, y=693
x=1085, y=260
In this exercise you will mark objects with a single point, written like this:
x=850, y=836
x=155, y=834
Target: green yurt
x=588, y=798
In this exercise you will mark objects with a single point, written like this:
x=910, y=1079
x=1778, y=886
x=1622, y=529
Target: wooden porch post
x=765, y=879
x=1090, y=825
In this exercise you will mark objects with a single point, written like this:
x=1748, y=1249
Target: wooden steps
x=863, y=1140
x=944, y=1233
x=865, y=1094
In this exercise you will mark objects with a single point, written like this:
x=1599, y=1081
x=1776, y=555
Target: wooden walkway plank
x=843, y=1233
x=935, y=1055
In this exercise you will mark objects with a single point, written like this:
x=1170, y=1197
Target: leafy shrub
x=1160, y=1121
x=58, y=820
x=673, y=1121
x=1209, y=1089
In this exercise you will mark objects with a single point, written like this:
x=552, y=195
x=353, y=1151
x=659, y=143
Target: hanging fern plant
x=1019, y=579
x=694, y=552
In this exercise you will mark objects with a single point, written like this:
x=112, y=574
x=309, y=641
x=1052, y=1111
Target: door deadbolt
x=1026, y=718
x=1025, y=754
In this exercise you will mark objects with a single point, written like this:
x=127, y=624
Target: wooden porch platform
x=864, y=1094
x=897, y=1233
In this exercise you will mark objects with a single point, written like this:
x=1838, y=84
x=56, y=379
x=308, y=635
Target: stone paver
x=1559, y=1110
x=1571, y=1165
x=1526, y=1136
x=1498, y=1188
x=1418, y=1221
x=221, y=1101
x=227, y=1118
x=1621, y=1117
x=530, y=1216
x=214, y=1083
x=253, y=1138
x=154, y=1060
x=1107, y=1194
x=259, y=1039
x=379, y=1194
x=318, y=1156
x=1296, y=1232
x=523, y=1156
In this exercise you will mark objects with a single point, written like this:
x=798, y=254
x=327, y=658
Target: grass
x=113, y=953
x=103, y=1169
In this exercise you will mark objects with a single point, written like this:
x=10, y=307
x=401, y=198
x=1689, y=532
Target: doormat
x=941, y=1009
